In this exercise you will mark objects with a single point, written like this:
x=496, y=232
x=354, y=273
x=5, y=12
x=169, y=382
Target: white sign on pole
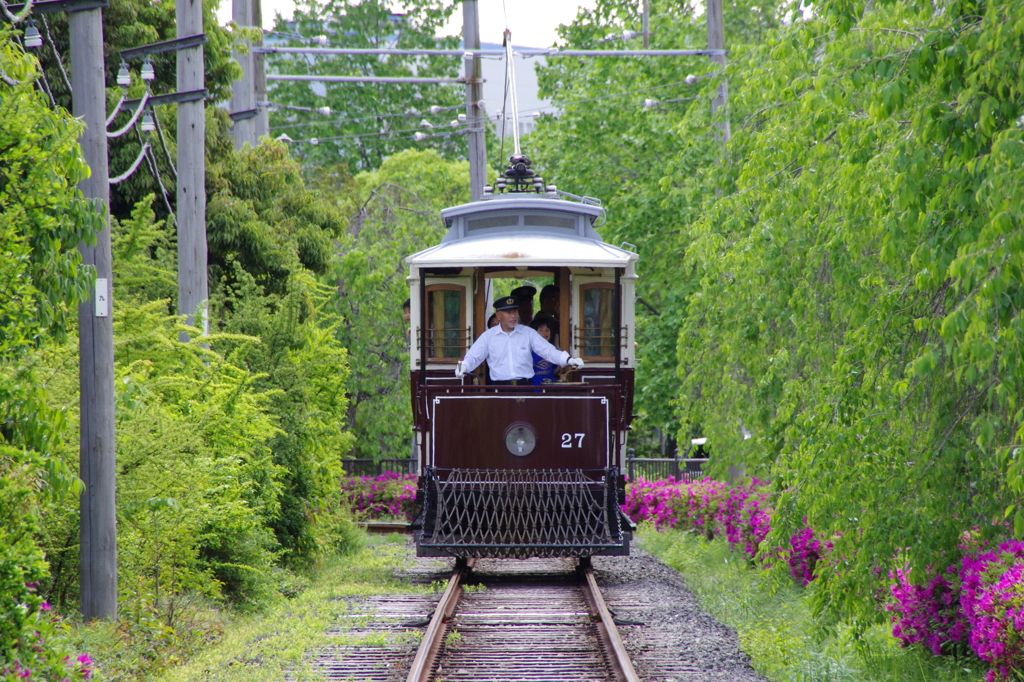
x=102, y=297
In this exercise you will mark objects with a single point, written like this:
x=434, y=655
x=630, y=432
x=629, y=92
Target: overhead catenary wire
x=131, y=171
x=155, y=170
x=135, y=117
x=163, y=143
x=511, y=75
x=53, y=48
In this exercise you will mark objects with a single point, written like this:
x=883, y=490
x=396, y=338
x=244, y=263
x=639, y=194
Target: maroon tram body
x=521, y=471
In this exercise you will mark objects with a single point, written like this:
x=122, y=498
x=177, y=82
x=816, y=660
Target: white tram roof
x=522, y=230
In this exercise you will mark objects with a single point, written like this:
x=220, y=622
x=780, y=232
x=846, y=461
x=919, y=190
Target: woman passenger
x=543, y=371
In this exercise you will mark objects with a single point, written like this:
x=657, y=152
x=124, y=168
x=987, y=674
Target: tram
x=522, y=471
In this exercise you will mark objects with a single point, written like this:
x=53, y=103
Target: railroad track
x=540, y=621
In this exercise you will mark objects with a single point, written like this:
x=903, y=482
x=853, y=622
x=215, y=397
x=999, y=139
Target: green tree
x=369, y=122
x=395, y=212
x=859, y=307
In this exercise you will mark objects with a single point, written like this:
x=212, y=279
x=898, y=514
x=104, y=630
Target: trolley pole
x=474, y=96
x=191, y=215
x=97, y=464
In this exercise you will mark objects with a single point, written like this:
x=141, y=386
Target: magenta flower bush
x=928, y=614
x=992, y=599
x=391, y=495
x=806, y=550
x=977, y=602
x=671, y=504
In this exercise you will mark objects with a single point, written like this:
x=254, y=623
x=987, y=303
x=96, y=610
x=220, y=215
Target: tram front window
x=596, y=331
x=446, y=321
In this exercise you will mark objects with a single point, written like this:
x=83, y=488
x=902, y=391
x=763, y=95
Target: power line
x=131, y=171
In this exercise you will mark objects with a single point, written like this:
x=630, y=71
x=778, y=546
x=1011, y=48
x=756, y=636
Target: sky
x=533, y=22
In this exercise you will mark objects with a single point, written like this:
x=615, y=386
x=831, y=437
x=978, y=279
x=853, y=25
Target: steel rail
x=433, y=638
x=618, y=656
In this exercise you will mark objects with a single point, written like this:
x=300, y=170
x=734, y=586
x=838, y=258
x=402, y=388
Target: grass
x=276, y=644
x=776, y=628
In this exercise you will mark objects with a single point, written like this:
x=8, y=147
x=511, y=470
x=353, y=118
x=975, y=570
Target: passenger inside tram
x=544, y=372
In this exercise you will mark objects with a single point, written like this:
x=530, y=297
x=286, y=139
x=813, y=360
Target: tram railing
x=367, y=466
x=687, y=469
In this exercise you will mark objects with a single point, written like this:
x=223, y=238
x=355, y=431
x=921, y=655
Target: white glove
x=576, y=363
x=458, y=371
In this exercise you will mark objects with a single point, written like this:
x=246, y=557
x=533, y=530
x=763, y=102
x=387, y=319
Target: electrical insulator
x=419, y=137
x=629, y=35
x=148, y=125
x=324, y=111
x=313, y=141
x=320, y=41
x=691, y=79
x=32, y=37
x=148, y=72
x=462, y=118
x=426, y=124
x=536, y=114
x=124, y=78
x=436, y=109
x=651, y=103
x=453, y=123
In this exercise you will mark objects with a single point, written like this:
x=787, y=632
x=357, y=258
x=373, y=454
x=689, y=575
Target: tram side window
x=446, y=321
x=597, y=336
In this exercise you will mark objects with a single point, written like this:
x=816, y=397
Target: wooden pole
x=716, y=41
x=191, y=215
x=474, y=95
x=243, y=91
x=646, y=28
x=260, y=76
x=98, y=531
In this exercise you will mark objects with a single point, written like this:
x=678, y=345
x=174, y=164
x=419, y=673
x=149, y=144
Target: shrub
x=390, y=495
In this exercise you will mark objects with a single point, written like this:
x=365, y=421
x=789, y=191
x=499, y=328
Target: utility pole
x=250, y=120
x=97, y=463
x=646, y=26
x=191, y=215
x=716, y=41
x=474, y=98
x=243, y=91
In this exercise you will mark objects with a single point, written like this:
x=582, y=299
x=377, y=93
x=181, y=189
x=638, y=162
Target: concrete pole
x=474, y=95
x=716, y=41
x=243, y=91
x=98, y=532
x=191, y=215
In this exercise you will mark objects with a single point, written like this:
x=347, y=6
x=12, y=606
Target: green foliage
x=363, y=111
x=261, y=216
x=395, y=212
x=42, y=219
x=860, y=301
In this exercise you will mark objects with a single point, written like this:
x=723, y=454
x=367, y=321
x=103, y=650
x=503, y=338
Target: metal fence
x=654, y=469
x=369, y=467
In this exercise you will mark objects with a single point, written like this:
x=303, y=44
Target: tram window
x=492, y=221
x=597, y=337
x=446, y=321
x=549, y=220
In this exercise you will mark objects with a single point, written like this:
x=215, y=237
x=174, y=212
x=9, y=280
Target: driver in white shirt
x=507, y=348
